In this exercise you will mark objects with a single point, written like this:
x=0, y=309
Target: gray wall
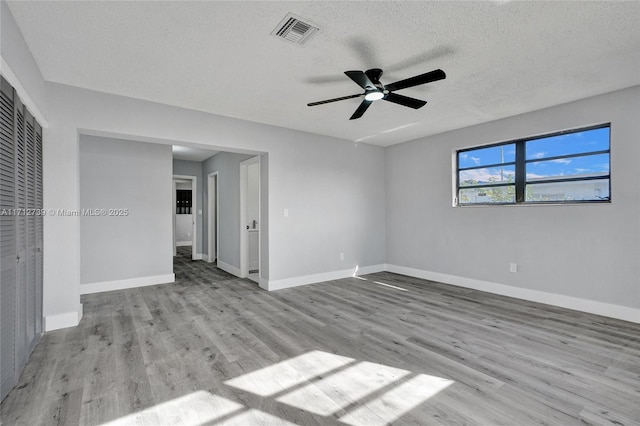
x=585, y=251
x=227, y=165
x=119, y=174
x=335, y=199
x=194, y=168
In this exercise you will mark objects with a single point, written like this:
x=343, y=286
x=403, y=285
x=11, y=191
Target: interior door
x=21, y=236
x=8, y=296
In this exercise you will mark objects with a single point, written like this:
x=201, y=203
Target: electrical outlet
x=341, y=256
x=286, y=212
x=513, y=267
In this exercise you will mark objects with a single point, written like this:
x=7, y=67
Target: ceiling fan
x=369, y=80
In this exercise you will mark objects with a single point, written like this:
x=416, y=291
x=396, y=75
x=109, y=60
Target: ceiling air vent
x=295, y=29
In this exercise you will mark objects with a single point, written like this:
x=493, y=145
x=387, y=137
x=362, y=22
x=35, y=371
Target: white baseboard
x=68, y=319
x=198, y=256
x=228, y=268
x=584, y=305
x=124, y=284
x=183, y=243
x=318, y=278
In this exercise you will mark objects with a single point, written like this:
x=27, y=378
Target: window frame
x=520, y=166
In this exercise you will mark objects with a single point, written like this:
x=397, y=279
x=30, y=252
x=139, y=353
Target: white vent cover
x=295, y=29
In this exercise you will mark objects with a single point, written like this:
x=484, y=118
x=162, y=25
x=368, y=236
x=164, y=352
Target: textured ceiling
x=501, y=58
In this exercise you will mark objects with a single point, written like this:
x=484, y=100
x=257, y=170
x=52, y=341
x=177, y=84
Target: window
x=565, y=167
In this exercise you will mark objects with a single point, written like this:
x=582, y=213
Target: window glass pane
x=502, y=174
x=571, y=143
x=491, y=194
x=487, y=156
x=587, y=166
x=589, y=190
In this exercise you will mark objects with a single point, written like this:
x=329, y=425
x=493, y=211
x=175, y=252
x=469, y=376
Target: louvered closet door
x=21, y=235
x=39, y=236
x=30, y=219
x=7, y=241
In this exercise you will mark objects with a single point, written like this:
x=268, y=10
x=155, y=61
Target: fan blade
x=361, y=79
x=361, y=109
x=417, y=80
x=404, y=100
x=334, y=100
x=374, y=74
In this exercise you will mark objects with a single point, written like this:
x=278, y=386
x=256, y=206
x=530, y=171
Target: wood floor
x=385, y=349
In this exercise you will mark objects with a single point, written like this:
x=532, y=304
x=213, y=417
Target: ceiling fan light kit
x=374, y=90
x=374, y=95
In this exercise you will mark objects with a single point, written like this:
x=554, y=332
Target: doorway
x=184, y=213
x=250, y=219
x=212, y=217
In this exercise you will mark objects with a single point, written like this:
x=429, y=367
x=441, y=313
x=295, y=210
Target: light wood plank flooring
x=387, y=349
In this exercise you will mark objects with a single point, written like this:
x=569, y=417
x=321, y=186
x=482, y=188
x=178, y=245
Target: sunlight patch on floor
x=254, y=417
x=391, y=286
x=362, y=393
x=345, y=387
x=196, y=408
x=326, y=384
x=286, y=374
x=381, y=283
x=396, y=402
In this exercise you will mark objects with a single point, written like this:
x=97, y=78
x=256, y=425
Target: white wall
x=119, y=174
x=588, y=252
x=334, y=189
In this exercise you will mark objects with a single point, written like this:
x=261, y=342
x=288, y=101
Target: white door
x=250, y=219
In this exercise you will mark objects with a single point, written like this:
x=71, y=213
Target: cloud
x=602, y=166
x=475, y=160
x=532, y=176
x=539, y=155
x=561, y=161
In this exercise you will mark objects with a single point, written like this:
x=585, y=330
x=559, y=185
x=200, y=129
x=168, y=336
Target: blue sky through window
x=592, y=165
x=488, y=156
x=571, y=143
x=582, y=142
